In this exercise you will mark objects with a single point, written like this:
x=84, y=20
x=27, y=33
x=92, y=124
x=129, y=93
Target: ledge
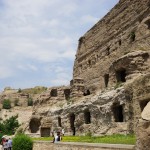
x=89, y=145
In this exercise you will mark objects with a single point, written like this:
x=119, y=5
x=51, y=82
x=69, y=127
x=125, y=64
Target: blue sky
x=39, y=38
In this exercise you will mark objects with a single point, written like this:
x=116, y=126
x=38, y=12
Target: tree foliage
x=9, y=126
x=30, y=101
x=6, y=104
x=22, y=142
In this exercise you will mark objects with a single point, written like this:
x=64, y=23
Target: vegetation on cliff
x=6, y=104
x=9, y=126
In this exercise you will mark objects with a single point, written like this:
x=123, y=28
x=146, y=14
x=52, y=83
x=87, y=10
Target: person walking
x=5, y=145
x=9, y=144
x=57, y=138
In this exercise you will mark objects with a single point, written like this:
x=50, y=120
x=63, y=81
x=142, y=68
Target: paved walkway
x=79, y=146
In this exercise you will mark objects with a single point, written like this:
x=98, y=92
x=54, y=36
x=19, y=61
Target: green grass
x=112, y=139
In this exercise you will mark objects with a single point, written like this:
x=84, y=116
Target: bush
x=132, y=36
x=19, y=90
x=6, y=104
x=30, y=102
x=9, y=126
x=22, y=142
x=88, y=134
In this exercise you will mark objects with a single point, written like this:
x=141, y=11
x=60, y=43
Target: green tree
x=19, y=90
x=22, y=142
x=10, y=125
x=6, y=104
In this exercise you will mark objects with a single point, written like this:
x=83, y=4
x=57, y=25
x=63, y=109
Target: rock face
x=122, y=31
x=143, y=132
x=111, y=80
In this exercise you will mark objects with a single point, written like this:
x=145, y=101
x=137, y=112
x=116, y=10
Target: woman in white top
x=57, y=137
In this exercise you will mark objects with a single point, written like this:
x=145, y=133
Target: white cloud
x=5, y=72
x=27, y=67
x=38, y=34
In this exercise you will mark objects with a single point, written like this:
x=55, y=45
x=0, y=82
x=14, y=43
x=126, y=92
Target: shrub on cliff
x=9, y=126
x=22, y=142
x=30, y=102
x=6, y=104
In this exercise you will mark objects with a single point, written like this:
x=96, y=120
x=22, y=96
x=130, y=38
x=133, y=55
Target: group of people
x=6, y=144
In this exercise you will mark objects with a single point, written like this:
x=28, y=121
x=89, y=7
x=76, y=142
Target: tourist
x=9, y=144
x=5, y=145
x=57, y=138
x=3, y=142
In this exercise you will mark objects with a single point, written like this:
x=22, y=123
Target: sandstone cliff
x=110, y=86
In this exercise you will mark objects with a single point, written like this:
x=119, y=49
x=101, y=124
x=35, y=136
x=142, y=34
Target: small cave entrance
x=108, y=51
x=120, y=42
x=87, y=117
x=87, y=92
x=34, y=125
x=67, y=93
x=45, y=132
x=121, y=75
x=143, y=104
x=147, y=22
x=72, y=120
x=89, y=62
x=118, y=113
x=132, y=36
x=81, y=40
x=59, y=121
x=106, y=79
x=53, y=93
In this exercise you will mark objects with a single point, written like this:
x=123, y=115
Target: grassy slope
x=113, y=139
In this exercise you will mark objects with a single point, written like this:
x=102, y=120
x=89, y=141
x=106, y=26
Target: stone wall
x=125, y=29
x=110, y=85
x=79, y=146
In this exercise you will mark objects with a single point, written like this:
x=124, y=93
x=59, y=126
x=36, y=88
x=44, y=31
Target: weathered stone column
x=143, y=130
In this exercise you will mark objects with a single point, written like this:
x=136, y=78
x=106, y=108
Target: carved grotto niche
x=121, y=75
x=72, y=126
x=117, y=110
x=59, y=121
x=106, y=79
x=87, y=116
x=45, y=131
x=53, y=93
x=67, y=93
x=34, y=125
x=86, y=92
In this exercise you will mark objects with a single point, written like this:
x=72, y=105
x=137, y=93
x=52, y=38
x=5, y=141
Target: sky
x=39, y=39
